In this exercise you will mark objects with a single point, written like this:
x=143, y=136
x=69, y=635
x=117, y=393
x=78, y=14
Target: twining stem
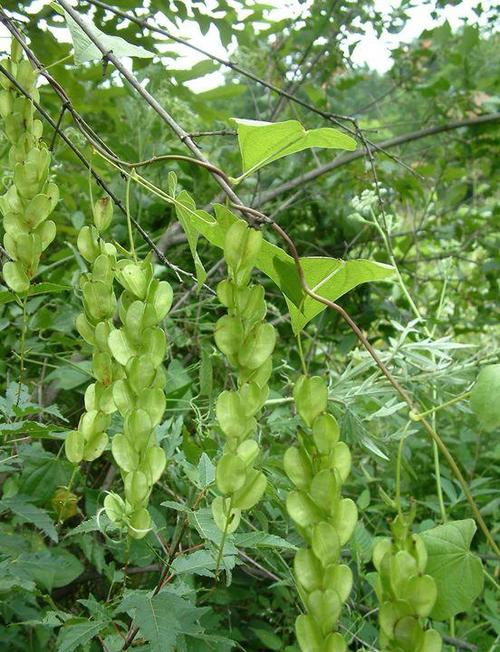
x=402, y=392
x=301, y=354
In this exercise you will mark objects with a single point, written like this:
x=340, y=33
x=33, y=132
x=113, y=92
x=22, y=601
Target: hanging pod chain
x=31, y=198
x=405, y=593
x=318, y=468
x=247, y=341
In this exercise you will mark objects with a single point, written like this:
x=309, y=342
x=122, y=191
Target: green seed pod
x=310, y=396
x=115, y=508
x=302, y=509
x=229, y=335
x=325, y=432
x=338, y=577
x=241, y=247
x=308, y=634
x=334, y=643
x=325, y=543
x=73, y=446
x=87, y=243
x=139, y=523
x=124, y=453
x=136, y=488
x=103, y=213
x=308, y=570
x=231, y=474
x=133, y=278
x=298, y=467
x=251, y=492
x=257, y=346
x=95, y=446
x=325, y=491
x=324, y=607
x=226, y=518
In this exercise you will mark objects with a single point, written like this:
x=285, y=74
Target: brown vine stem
x=400, y=390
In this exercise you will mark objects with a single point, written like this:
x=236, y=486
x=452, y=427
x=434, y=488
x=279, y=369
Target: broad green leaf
x=331, y=278
x=264, y=142
x=261, y=540
x=21, y=506
x=482, y=398
x=200, y=562
x=85, y=50
x=457, y=571
x=161, y=618
x=78, y=632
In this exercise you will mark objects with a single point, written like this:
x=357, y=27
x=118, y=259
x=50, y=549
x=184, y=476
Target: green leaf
x=184, y=217
x=161, y=618
x=77, y=632
x=331, y=278
x=200, y=562
x=85, y=50
x=457, y=571
x=21, y=506
x=261, y=540
x=482, y=400
x=264, y=142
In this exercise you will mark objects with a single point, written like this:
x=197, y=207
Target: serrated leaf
x=76, y=633
x=200, y=562
x=262, y=143
x=458, y=573
x=21, y=506
x=85, y=50
x=161, y=618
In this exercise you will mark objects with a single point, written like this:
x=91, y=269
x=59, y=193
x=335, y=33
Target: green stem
x=301, y=355
x=223, y=540
x=417, y=417
x=22, y=349
x=129, y=222
x=439, y=489
x=398, y=474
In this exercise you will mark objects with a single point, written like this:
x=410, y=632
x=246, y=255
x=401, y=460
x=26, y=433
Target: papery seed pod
x=317, y=468
x=31, y=198
x=248, y=342
x=405, y=593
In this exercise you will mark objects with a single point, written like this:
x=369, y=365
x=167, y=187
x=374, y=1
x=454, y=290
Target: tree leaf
x=457, y=571
x=77, y=632
x=264, y=142
x=161, y=618
x=85, y=50
x=21, y=506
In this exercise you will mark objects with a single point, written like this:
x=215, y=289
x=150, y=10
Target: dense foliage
x=201, y=449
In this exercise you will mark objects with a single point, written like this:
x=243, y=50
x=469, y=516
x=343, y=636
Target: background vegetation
x=65, y=583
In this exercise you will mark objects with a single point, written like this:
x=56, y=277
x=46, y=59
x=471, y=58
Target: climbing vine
x=187, y=475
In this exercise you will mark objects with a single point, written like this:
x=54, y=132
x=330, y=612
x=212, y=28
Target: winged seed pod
x=31, y=198
x=248, y=342
x=94, y=325
x=405, y=593
x=138, y=347
x=318, y=468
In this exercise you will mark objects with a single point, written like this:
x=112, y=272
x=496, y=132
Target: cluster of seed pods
x=31, y=198
x=127, y=365
x=318, y=468
x=139, y=346
x=94, y=325
x=248, y=342
x=405, y=593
